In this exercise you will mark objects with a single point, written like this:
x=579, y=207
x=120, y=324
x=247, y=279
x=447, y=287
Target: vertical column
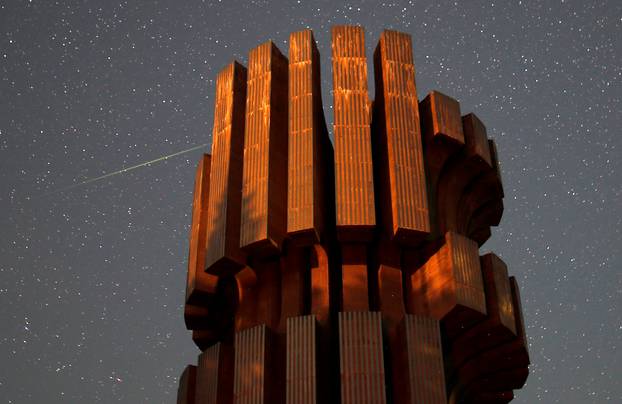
x=309, y=145
x=264, y=180
x=301, y=367
x=251, y=369
x=398, y=149
x=187, y=385
x=207, y=376
x=361, y=358
x=424, y=375
x=200, y=285
x=223, y=225
x=214, y=377
x=354, y=184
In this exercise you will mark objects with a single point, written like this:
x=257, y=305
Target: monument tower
x=347, y=271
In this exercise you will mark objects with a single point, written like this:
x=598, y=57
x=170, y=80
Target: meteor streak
x=90, y=180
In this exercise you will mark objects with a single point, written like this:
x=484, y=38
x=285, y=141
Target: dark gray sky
x=92, y=278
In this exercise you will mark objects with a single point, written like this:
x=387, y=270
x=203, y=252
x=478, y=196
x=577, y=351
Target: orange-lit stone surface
x=223, y=224
x=214, y=366
x=264, y=180
x=310, y=157
x=361, y=358
x=199, y=285
x=354, y=276
x=449, y=286
x=422, y=378
x=252, y=373
x=301, y=367
x=398, y=153
x=354, y=182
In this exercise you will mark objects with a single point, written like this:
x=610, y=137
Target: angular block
x=200, y=285
x=310, y=150
x=423, y=378
x=301, y=361
x=449, y=286
x=361, y=358
x=187, y=386
x=499, y=325
x=398, y=152
x=507, y=362
x=441, y=120
x=354, y=183
x=475, y=138
x=252, y=371
x=223, y=224
x=443, y=138
x=264, y=179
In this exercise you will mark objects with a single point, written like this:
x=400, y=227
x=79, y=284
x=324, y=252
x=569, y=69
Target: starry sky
x=92, y=277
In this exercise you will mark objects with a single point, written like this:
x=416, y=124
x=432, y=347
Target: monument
x=347, y=271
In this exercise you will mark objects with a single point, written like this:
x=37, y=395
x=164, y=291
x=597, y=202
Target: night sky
x=92, y=277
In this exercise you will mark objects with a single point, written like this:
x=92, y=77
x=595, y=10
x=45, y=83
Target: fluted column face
x=399, y=149
x=347, y=274
x=199, y=285
x=223, y=225
x=354, y=182
x=264, y=181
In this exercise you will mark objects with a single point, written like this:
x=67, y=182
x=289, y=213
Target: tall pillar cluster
x=347, y=271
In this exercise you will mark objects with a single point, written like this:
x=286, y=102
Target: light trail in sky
x=124, y=170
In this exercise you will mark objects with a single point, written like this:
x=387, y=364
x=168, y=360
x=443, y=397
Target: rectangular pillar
x=251, y=369
x=309, y=145
x=199, y=285
x=354, y=183
x=214, y=383
x=264, y=180
x=207, y=376
x=223, y=226
x=301, y=367
x=449, y=286
x=397, y=143
x=424, y=355
x=361, y=358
